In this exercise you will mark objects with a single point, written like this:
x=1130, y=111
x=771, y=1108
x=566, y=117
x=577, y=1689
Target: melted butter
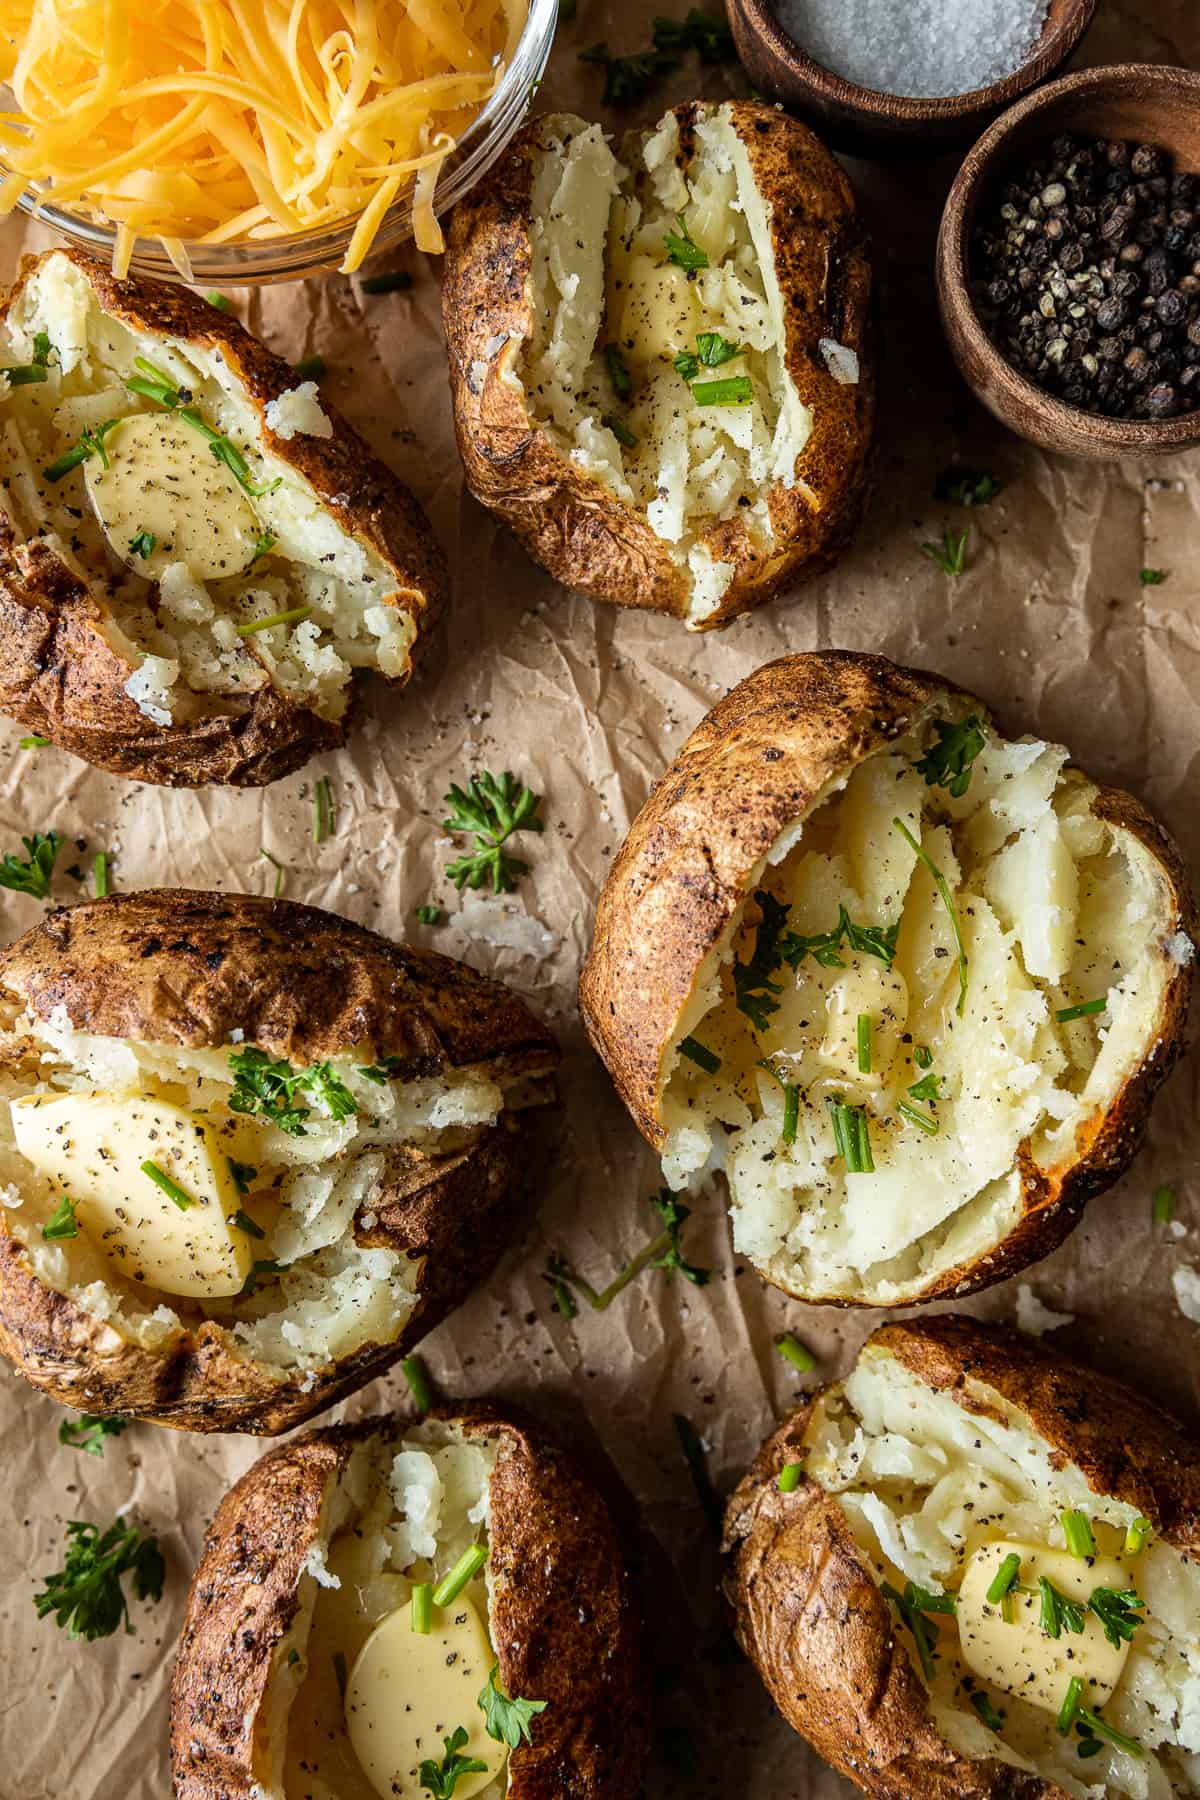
x=407, y=1692
x=1019, y=1657
x=93, y=1147
x=657, y=310
x=164, y=480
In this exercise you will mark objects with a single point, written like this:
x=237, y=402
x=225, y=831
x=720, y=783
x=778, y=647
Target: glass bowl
x=322, y=250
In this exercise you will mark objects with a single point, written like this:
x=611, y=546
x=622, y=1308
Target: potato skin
x=180, y=968
x=808, y=1610
x=565, y=1620
x=752, y=765
x=59, y=674
x=569, y=521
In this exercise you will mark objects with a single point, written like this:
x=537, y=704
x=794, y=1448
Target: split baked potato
x=909, y=983
x=196, y=554
x=249, y=1153
x=322, y=1658
x=971, y=1571
x=660, y=362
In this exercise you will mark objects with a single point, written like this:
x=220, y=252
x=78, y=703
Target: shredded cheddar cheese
x=218, y=121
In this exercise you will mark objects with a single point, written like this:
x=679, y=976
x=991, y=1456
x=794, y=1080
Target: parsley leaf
x=1056, y=1610
x=711, y=351
x=927, y=1088
x=1118, y=1611
x=62, y=1222
x=88, y=1433
x=329, y=1091
x=32, y=877
x=949, y=762
x=752, y=985
x=86, y=1595
x=682, y=249
x=825, y=946
x=243, y=1174
x=966, y=487
x=628, y=78
x=442, y=1778
x=269, y=1090
x=951, y=554
x=710, y=37
x=491, y=808
x=507, y=1720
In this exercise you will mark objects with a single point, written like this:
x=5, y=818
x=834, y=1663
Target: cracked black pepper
x=1086, y=273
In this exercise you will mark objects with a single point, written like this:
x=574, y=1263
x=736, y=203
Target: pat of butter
x=1020, y=1657
x=163, y=482
x=93, y=1148
x=658, y=309
x=408, y=1691
x=882, y=995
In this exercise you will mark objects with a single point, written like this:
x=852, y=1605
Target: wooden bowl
x=866, y=122
x=1144, y=102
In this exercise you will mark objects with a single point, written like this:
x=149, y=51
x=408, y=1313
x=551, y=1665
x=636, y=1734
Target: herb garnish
x=226, y=451
x=464, y=1570
x=422, y=1608
x=699, y=31
x=627, y=78
x=618, y=371
x=1057, y=1611
x=1091, y=1726
x=38, y=370
x=280, y=871
x=912, y=1605
x=682, y=248
x=1164, y=1205
x=752, y=982
x=91, y=443
x=33, y=742
x=268, y=1089
x=664, y=1251
x=491, y=809
x=1077, y=1529
x=220, y=301
x=1085, y=1010
x=417, y=1377
x=1003, y=1580
x=324, y=811
x=951, y=554
x=789, y=1477
x=735, y=390
x=183, y=1200
x=949, y=762
x=943, y=888
x=862, y=1033
x=428, y=915
x=1152, y=577
x=62, y=1222
x=88, y=1432
x=992, y=1718
x=442, y=1778
x=100, y=875
x=711, y=351
x=1136, y=1535
x=32, y=877
x=154, y=385
x=796, y=1353
x=143, y=544
x=851, y=1138
x=1118, y=1611
x=1070, y=1705
x=507, y=1719
x=264, y=543
x=310, y=368
x=926, y=1088
x=293, y=616
x=791, y=1104
x=619, y=430
x=924, y=1121
x=700, y=1054
x=245, y=1223
x=825, y=946
x=966, y=487
x=85, y=1595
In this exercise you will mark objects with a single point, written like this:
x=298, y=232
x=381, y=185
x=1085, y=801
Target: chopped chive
x=398, y=283
x=280, y=872
x=1164, y=1205
x=143, y=544
x=618, y=372
x=324, y=815
x=1103, y=1729
x=1152, y=577
x=311, y=368
x=793, y=1351
x=923, y=1057
x=220, y=301
x=1135, y=1537
x=1002, y=1581
x=250, y=1226
x=619, y=430
x=33, y=742
x=930, y=1599
x=170, y=1188
x=1084, y=1010
x=865, y=1161
x=293, y=1657
x=693, y=1452
x=429, y=915
x=992, y=1718
x=293, y=617
x=943, y=888
x=734, y=390
x=464, y=1570
x=864, y=1043
x=417, y=1377
x=851, y=1137
x=62, y=1222
x=243, y=1174
x=1070, y=1705
x=916, y=1117
x=923, y=1635
x=700, y=1054
x=422, y=1607
x=789, y=1477
x=791, y=1113
x=100, y=886
x=1078, y=1532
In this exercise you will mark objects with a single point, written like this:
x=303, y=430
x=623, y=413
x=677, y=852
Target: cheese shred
x=222, y=121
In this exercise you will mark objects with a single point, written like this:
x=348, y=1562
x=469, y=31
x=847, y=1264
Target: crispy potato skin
x=180, y=968
x=59, y=674
x=756, y=762
x=809, y=1613
x=569, y=521
x=565, y=1621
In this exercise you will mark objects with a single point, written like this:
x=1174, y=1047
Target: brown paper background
x=1048, y=623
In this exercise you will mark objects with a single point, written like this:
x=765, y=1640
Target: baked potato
x=979, y=1577
x=660, y=364
x=196, y=554
x=249, y=1153
x=909, y=983
x=304, y=1672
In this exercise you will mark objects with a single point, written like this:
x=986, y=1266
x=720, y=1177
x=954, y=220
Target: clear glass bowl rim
x=323, y=249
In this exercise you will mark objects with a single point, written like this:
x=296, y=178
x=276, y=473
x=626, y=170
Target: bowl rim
x=321, y=248
x=1122, y=436
x=877, y=104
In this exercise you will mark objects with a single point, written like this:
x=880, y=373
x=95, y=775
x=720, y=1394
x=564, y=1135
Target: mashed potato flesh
x=180, y=629
x=924, y=1484
x=1056, y=910
x=607, y=298
x=328, y=1296
x=402, y=1512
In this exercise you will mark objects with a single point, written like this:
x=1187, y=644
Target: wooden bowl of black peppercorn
x=1068, y=264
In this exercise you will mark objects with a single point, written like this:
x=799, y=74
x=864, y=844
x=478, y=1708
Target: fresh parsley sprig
x=507, y=1719
x=664, y=1251
x=1118, y=1610
x=682, y=249
x=710, y=37
x=33, y=876
x=967, y=487
x=62, y=1222
x=712, y=350
x=268, y=1089
x=441, y=1778
x=949, y=762
x=85, y=1595
x=490, y=809
x=26, y=374
x=628, y=78
x=1057, y=1612
x=88, y=1432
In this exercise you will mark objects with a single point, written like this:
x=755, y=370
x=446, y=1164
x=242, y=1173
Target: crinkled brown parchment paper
x=1049, y=623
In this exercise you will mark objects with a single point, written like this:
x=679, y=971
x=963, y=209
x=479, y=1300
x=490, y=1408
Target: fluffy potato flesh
x=926, y=1487
x=862, y=1017
x=315, y=1295
x=612, y=314
x=213, y=558
x=403, y=1511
